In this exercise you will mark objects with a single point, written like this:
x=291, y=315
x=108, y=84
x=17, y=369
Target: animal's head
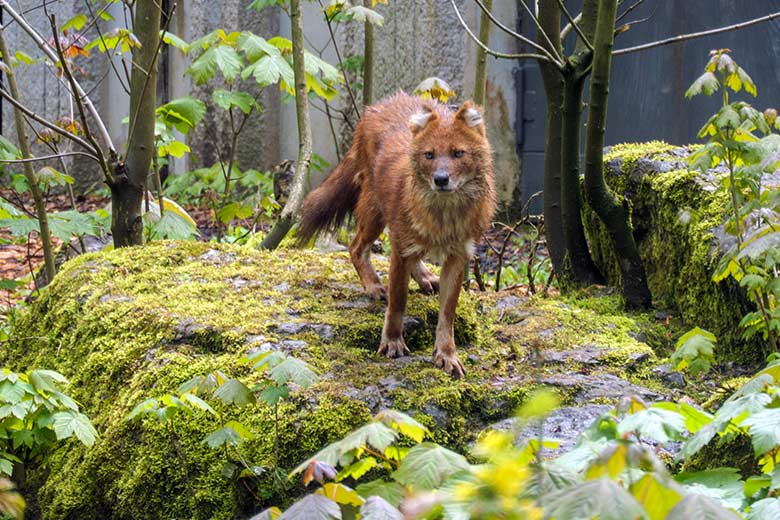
x=450, y=153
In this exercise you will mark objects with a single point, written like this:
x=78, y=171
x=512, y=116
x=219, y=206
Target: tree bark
x=550, y=20
x=480, y=71
x=300, y=184
x=614, y=215
x=130, y=179
x=368, y=60
x=579, y=268
x=29, y=172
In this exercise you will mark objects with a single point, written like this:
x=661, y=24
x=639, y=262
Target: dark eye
x=458, y=154
x=428, y=155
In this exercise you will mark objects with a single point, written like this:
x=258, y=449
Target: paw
x=429, y=284
x=449, y=362
x=376, y=291
x=393, y=348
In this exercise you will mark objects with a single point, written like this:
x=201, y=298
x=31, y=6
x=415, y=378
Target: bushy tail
x=328, y=206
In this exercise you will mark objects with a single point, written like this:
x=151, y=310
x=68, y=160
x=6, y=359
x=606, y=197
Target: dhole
x=426, y=172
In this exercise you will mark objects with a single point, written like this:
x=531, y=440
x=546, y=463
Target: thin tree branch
x=47, y=157
x=569, y=26
x=514, y=34
x=576, y=27
x=47, y=50
x=48, y=124
x=341, y=62
x=629, y=9
x=535, y=18
x=490, y=51
x=126, y=88
x=701, y=34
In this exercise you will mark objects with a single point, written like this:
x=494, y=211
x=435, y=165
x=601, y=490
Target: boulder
x=127, y=325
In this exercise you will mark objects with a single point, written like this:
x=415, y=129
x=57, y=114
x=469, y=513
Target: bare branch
x=47, y=157
x=629, y=9
x=491, y=51
x=126, y=88
x=47, y=50
x=701, y=34
x=569, y=26
x=535, y=18
x=48, y=124
x=574, y=24
x=513, y=33
x=341, y=62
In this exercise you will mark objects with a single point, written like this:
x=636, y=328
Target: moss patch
x=135, y=323
x=675, y=215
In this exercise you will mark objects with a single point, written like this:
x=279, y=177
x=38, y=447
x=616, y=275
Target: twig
x=102, y=40
x=46, y=48
x=535, y=18
x=32, y=115
x=341, y=62
x=629, y=9
x=47, y=157
x=691, y=36
x=514, y=34
x=332, y=131
x=491, y=51
x=478, y=275
x=569, y=26
x=575, y=26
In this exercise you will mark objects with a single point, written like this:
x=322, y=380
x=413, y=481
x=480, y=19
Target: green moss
x=674, y=218
x=135, y=323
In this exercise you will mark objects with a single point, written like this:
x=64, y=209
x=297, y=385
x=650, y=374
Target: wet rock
x=588, y=387
x=360, y=303
x=669, y=376
x=586, y=355
x=564, y=424
x=291, y=328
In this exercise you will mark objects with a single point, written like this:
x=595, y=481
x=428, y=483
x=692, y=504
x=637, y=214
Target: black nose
x=441, y=179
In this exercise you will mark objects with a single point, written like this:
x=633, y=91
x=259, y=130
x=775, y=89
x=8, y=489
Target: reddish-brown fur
x=402, y=147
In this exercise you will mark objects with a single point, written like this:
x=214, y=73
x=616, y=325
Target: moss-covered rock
x=676, y=216
x=135, y=323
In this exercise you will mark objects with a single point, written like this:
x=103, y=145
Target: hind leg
x=369, y=226
x=428, y=282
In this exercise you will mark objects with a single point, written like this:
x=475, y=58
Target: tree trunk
x=130, y=180
x=579, y=268
x=480, y=71
x=614, y=215
x=29, y=172
x=368, y=60
x=300, y=184
x=550, y=20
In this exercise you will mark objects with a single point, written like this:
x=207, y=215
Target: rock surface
x=131, y=324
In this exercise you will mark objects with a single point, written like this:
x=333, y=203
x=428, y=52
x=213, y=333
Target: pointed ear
x=421, y=119
x=471, y=116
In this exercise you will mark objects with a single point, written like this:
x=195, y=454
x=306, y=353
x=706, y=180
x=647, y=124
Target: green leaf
x=19, y=227
x=234, y=392
x=656, y=497
x=255, y=47
x=655, y=423
x=232, y=211
x=313, y=507
x=228, y=61
x=77, y=22
x=764, y=428
x=198, y=403
x=377, y=508
x=695, y=351
x=148, y=406
x=403, y=424
x=602, y=499
x=357, y=469
x=392, y=492
x=764, y=509
x=341, y=494
x=70, y=423
x=262, y=4
x=47, y=380
x=707, y=83
x=174, y=41
x=374, y=435
x=293, y=370
x=270, y=69
x=273, y=394
x=182, y=113
x=428, y=465
x=204, y=67
x=700, y=508
x=227, y=99
x=231, y=434
x=723, y=484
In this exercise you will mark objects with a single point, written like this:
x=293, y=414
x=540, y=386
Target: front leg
x=392, y=343
x=444, y=355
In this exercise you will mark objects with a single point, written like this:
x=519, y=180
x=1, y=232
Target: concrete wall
x=419, y=39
